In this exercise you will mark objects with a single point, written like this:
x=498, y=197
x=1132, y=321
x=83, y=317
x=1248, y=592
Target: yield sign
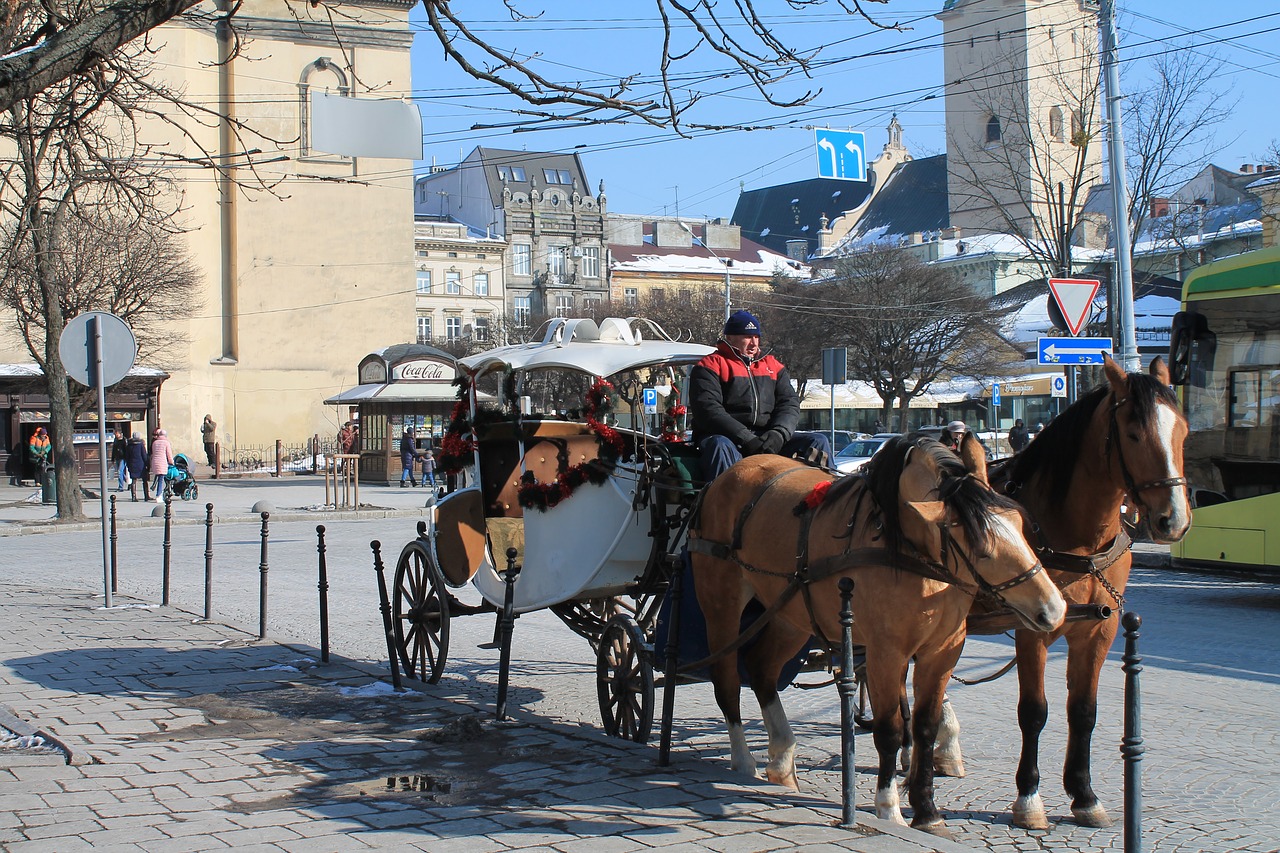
x=1074, y=296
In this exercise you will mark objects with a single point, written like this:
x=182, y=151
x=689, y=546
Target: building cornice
x=314, y=32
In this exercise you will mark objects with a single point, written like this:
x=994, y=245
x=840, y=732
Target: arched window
x=1055, y=124
x=326, y=75
x=993, y=129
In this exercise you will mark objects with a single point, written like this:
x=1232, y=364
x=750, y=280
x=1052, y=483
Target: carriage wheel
x=624, y=680
x=420, y=609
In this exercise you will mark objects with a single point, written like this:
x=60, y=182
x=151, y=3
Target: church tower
x=1024, y=122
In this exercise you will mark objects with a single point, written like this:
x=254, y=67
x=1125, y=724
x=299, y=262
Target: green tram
x=1225, y=355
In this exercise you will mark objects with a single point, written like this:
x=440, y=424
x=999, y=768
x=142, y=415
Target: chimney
x=952, y=233
x=1246, y=168
x=1159, y=207
x=915, y=239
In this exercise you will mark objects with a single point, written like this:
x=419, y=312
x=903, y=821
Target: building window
x=511, y=173
x=325, y=74
x=557, y=176
x=591, y=261
x=423, y=253
x=686, y=296
x=482, y=284
x=993, y=129
x=590, y=306
x=520, y=311
x=522, y=259
x=481, y=328
x=555, y=260
x=658, y=295
x=424, y=330
x=453, y=328
x=631, y=296
x=564, y=305
x=424, y=281
x=1055, y=124
x=453, y=282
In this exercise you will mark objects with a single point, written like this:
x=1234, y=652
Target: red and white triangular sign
x=1074, y=297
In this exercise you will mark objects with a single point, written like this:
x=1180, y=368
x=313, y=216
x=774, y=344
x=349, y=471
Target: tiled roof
x=773, y=215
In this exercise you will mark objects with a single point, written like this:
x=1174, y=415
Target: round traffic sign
x=119, y=347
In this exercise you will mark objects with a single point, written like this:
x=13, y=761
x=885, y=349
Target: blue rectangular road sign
x=995, y=393
x=1072, y=350
x=650, y=401
x=842, y=154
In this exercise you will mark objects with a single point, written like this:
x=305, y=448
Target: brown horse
x=920, y=532
x=1120, y=444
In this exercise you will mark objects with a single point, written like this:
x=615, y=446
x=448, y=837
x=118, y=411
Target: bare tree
x=1029, y=173
x=1171, y=127
x=906, y=324
x=737, y=34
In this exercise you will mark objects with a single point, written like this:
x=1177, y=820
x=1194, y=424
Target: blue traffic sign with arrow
x=1073, y=350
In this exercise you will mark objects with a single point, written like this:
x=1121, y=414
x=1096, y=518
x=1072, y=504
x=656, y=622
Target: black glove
x=773, y=441
x=752, y=446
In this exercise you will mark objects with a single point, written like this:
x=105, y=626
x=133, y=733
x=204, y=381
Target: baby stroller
x=181, y=483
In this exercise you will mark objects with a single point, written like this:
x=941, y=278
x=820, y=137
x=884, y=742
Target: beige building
x=309, y=270
x=459, y=284
x=1022, y=108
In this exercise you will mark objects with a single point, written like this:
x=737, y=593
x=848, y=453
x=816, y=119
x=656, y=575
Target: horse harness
x=807, y=573
x=1135, y=490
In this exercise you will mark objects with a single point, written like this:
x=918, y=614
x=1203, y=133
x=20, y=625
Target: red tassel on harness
x=815, y=497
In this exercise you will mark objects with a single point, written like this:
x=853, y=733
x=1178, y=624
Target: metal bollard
x=217, y=458
x=208, y=562
x=385, y=606
x=508, y=628
x=279, y=458
x=315, y=453
x=168, y=545
x=262, y=581
x=848, y=701
x=323, y=586
x=113, y=543
x=1131, y=747
x=671, y=665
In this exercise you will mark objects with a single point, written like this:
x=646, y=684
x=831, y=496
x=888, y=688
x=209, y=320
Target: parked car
x=841, y=438
x=858, y=452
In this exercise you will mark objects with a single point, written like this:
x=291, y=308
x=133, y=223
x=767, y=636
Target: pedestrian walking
x=209, y=435
x=161, y=459
x=408, y=456
x=117, y=460
x=1018, y=437
x=135, y=462
x=428, y=469
x=40, y=451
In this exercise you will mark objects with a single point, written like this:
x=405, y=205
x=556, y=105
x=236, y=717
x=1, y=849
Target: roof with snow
x=750, y=259
x=914, y=199
x=773, y=215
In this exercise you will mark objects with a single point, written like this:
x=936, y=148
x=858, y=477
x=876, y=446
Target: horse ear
x=931, y=512
x=1160, y=371
x=974, y=457
x=1115, y=375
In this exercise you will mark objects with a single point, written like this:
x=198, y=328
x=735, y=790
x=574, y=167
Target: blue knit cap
x=742, y=323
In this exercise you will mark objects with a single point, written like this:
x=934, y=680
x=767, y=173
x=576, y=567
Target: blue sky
x=651, y=171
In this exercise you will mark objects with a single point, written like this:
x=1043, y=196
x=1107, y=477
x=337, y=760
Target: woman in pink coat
x=161, y=459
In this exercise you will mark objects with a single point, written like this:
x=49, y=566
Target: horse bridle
x=982, y=583
x=1135, y=490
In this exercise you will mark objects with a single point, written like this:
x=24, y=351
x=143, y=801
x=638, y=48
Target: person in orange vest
x=40, y=450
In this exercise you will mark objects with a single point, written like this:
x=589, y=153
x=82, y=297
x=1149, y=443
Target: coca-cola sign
x=423, y=370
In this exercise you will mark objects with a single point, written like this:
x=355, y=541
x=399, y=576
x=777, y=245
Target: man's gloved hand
x=772, y=441
x=752, y=446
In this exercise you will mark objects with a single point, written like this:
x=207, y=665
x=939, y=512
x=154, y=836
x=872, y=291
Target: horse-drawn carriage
x=587, y=488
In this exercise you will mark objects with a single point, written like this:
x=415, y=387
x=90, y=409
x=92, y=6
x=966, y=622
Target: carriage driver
x=743, y=403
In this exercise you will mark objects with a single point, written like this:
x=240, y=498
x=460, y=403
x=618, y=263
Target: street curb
x=279, y=515
x=21, y=728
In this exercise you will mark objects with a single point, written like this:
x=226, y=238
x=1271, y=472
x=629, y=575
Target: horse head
x=946, y=511
x=1145, y=438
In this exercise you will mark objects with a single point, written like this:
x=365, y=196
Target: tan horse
x=1120, y=444
x=919, y=533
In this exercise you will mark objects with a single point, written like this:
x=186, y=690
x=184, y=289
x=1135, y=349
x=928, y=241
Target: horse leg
x=1033, y=711
x=722, y=596
x=777, y=644
x=1084, y=666
x=887, y=685
x=930, y=687
x=947, y=758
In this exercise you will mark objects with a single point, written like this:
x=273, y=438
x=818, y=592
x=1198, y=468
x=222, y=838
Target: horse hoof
x=954, y=769
x=786, y=780
x=936, y=827
x=1094, y=816
x=1028, y=813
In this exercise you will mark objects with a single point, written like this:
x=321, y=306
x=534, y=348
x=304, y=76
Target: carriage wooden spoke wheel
x=421, y=614
x=624, y=680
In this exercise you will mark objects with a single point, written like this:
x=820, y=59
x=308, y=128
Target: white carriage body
x=595, y=543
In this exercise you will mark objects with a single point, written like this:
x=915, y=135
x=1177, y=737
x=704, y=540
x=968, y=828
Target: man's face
x=747, y=345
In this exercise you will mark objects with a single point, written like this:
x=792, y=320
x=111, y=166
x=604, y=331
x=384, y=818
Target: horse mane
x=970, y=501
x=1054, y=453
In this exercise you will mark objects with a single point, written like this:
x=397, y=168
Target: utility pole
x=1119, y=190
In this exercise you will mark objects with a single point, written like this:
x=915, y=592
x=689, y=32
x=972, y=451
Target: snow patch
x=377, y=688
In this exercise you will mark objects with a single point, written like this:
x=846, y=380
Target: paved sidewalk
x=188, y=736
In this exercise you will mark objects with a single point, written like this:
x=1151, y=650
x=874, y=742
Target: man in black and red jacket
x=743, y=403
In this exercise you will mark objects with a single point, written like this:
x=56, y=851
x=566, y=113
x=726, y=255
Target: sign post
x=98, y=350
x=835, y=371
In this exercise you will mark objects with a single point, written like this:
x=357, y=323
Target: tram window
x=1246, y=395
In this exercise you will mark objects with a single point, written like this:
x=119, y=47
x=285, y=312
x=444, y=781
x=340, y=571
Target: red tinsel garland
x=543, y=496
x=671, y=432
x=814, y=499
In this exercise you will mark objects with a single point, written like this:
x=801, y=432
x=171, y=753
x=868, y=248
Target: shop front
x=406, y=385
x=132, y=405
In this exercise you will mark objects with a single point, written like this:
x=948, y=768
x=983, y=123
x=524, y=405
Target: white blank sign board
x=356, y=127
